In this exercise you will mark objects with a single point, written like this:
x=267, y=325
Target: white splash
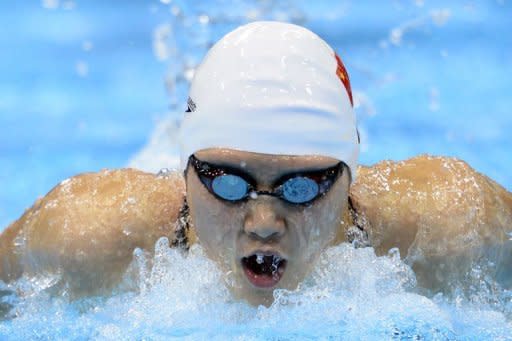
x=438, y=17
x=351, y=294
x=162, y=149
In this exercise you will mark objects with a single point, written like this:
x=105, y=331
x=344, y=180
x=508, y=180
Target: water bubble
x=50, y=4
x=65, y=182
x=68, y=5
x=395, y=36
x=434, y=99
x=82, y=68
x=204, y=19
x=440, y=16
x=20, y=240
x=87, y=45
x=253, y=195
x=275, y=264
x=394, y=253
x=160, y=36
x=163, y=173
x=176, y=11
x=189, y=73
x=259, y=258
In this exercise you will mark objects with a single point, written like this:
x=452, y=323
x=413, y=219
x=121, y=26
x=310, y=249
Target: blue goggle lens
x=230, y=187
x=299, y=190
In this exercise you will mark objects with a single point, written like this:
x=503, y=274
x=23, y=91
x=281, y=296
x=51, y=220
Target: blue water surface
x=82, y=85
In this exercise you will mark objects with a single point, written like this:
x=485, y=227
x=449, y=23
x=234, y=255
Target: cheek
x=216, y=224
x=320, y=225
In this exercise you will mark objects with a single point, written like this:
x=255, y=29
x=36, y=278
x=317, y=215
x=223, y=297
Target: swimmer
x=269, y=180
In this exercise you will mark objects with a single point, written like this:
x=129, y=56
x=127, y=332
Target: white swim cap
x=273, y=88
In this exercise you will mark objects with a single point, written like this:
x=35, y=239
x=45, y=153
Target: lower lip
x=264, y=281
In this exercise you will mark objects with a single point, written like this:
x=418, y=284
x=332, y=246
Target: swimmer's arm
x=10, y=267
x=436, y=209
x=87, y=227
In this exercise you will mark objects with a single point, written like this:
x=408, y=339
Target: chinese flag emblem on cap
x=342, y=74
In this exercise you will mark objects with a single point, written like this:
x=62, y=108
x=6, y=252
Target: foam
x=352, y=293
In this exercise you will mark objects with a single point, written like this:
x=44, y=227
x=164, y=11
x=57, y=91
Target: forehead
x=265, y=167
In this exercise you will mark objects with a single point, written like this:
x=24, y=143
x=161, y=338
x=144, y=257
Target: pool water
x=97, y=84
x=352, y=294
x=87, y=84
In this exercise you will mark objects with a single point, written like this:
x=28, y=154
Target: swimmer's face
x=263, y=243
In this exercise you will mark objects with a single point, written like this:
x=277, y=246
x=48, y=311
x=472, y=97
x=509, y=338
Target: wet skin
x=267, y=225
x=441, y=214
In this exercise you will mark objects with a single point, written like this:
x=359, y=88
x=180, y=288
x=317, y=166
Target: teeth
x=275, y=264
x=263, y=264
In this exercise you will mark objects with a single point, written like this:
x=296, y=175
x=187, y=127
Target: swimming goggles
x=234, y=185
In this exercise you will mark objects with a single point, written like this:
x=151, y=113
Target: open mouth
x=264, y=270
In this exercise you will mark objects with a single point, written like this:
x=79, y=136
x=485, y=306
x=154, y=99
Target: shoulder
x=417, y=177
x=425, y=198
x=89, y=225
x=93, y=221
x=121, y=199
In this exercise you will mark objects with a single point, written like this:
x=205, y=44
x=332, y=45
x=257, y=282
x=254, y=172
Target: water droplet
x=87, y=45
x=259, y=258
x=50, y=4
x=394, y=253
x=204, y=19
x=82, y=69
x=395, y=36
x=20, y=240
x=176, y=11
x=189, y=73
x=163, y=173
x=275, y=264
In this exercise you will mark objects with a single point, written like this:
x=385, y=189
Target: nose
x=262, y=222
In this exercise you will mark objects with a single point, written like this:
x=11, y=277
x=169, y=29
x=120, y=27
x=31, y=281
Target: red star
x=342, y=74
